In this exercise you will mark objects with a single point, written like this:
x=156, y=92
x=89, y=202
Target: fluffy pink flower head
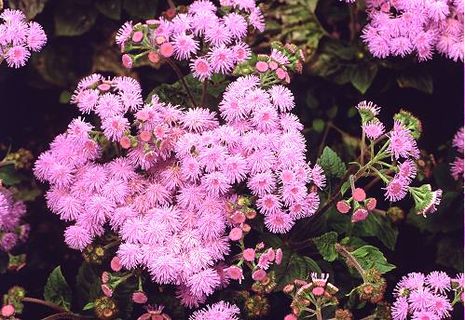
x=401, y=142
x=218, y=311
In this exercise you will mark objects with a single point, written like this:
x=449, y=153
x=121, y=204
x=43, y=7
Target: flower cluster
x=420, y=296
x=393, y=163
x=218, y=311
x=456, y=169
x=12, y=211
x=210, y=39
x=307, y=296
x=403, y=27
x=164, y=178
x=19, y=37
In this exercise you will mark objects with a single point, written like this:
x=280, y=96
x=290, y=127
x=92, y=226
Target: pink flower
x=127, y=61
x=184, y=46
x=7, y=310
x=234, y=273
x=261, y=66
x=359, y=215
x=235, y=234
x=401, y=142
x=139, y=297
x=373, y=129
x=259, y=275
x=400, y=308
x=77, y=237
x=201, y=68
x=249, y=254
x=342, y=206
x=279, y=222
x=17, y=56
x=396, y=189
x=115, y=264
x=219, y=310
x=282, y=98
x=438, y=281
x=221, y=59
x=107, y=291
x=166, y=50
x=359, y=194
x=279, y=256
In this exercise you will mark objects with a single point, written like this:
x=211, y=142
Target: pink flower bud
x=290, y=316
x=137, y=36
x=107, y=291
x=125, y=142
x=104, y=87
x=371, y=204
x=139, y=297
x=359, y=194
x=259, y=275
x=145, y=136
x=105, y=277
x=115, y=264
x=249, y=254
x=261, y=66
x=234, y=273
x=281, y=74
x=342, y=206
x=270, y=254
x=7, y=310
x=166, y=49
x=238, y=217
x=279, y=256
x=359, y=215
x=154, y=57
x=273, y=65
x=127, y=61
x=260, y=246
x=160, y=40
x=235, y=234
x=318, y=291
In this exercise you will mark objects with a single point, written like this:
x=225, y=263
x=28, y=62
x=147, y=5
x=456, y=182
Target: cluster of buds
x=373, y=288
x=360, y=205
x=318, y=293
x=259, y=261
x=105, y=308
x=395, y=214
x=257, y=306
x=16, y=262
x=276, y=67
x=238, y=213
x=94, y=254
x=154, y=313
x=343, y=314
x=12, y=303
x=21, y=159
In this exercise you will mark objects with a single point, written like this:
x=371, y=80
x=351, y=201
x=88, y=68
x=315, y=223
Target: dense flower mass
x=457, y=166
x=12, y=232
x=218, y=311
x=18, y=38
x=211, y=39
x=420, y=296
x=400, y=28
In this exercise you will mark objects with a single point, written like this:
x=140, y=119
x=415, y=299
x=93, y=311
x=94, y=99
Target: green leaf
x=294, y=266
x=325, y=245
x=65, y=97
x=143, y=9
x=331, y=163
x=110, y=8
x=379, y=227
x=9, y=176
x=318, y=125
x=89, y=306
x=73, y=19
x=30, y=8
x=87, y=284
x=363, y=75
x=371, y=257
x=57, y=290
x=419, y=80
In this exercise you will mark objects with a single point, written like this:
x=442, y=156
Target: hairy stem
x=45, y=303
x=352, y=261
x=183, y=81
x=319, y=316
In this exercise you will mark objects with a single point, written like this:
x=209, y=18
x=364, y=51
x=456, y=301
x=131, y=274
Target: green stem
x=353, y=262
x=183, y=81
x=362, y=149
x=323, y=140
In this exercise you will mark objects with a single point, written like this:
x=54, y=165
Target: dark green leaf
x=325, y=245
x=331, y=163
x=294, y=267
x=418, y=80
x=144, y=9
x=31, y=8
x=87, y=284
x=9, y=176
x=57, y=290
x=110, y=8
x=363, y=75
x=73, y=19
x=371, y=257
x=380, y=227
x=318, y=125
